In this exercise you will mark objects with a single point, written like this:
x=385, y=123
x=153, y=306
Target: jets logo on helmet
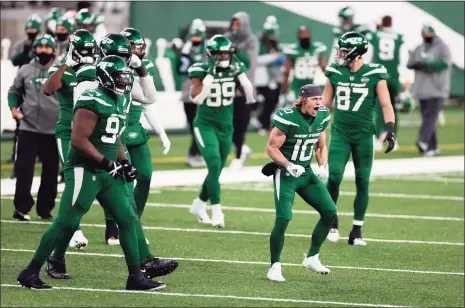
x=221, y=48
x=84, y=45
x=116, y=44
x=137, y=41
x=350, y=47
x=114, y=75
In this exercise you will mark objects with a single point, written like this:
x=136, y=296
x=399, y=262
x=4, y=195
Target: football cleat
x=155, y=267
x=78, y=240
x=21, y=217
x=236, y=164
x=32, y=281
x=333, y=235
x=313, y=263
x=195, y=161
x=217, y=216
x=432, y=153
x=199, y=209
x=140, y=283
x=113, y=241
x=274, y=273
x=56, y=269
x=355, y=238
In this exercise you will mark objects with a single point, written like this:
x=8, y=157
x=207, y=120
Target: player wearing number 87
x=296, y=131
x=214, y=88
x=355, y=87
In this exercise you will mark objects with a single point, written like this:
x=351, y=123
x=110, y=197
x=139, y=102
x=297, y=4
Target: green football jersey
x=305, y=63
x=135, y=112
x=112, y=111
x=355, y=97
x=363, y=29
x=386, y=50
x=65, y=100
x=86, y=72
x=302, y=133
x=217, y=109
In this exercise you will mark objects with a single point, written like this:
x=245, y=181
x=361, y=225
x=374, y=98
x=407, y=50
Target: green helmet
x=137, y=41
x=84, y=45
x=113, y=74
x=220, y=47
x=45, y=39
x=33, y=22
x=85, y=20
x=116, y=44
x=350, y=47
x=197, y=28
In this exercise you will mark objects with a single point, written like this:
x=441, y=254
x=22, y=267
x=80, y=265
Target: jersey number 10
x=305, y=155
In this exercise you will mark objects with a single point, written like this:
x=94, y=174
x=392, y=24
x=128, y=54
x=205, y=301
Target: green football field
x=415, y=253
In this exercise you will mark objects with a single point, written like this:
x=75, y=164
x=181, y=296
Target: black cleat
x=20, y=216
x=47, y=217
x=32, y=281
x=155, y=267
x=139, y=282
x=56, y=269
x=355, y=238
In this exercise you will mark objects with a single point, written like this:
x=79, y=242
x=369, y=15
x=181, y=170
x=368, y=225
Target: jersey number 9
x=112, y=130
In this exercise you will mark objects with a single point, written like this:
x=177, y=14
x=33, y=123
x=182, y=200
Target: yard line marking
x=267, y=299
x=343, y=193
x=304, y=212
x=418, y=178
x=250, y=262
x=242, y=233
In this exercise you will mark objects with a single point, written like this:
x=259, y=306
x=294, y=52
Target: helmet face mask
x=351, y=46
x=221, y=48
x=113, y=74
x=138, y=49
x=84, y=45
x=136, y=40
x=123, y=82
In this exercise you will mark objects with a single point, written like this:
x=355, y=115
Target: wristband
x=142, y=71
x=124, y=162
x=390, y=127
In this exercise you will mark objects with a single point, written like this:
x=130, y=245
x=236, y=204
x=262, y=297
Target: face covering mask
x=44, y=58
x=305, y=43
x=62, y=36
x=196, y=43
x=428, y=39
x=32, y=36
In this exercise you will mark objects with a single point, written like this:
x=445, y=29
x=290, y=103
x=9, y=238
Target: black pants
x=191, y=110
x=240, y=122
x=429, y=109
x=31, y=145
x=269, y=105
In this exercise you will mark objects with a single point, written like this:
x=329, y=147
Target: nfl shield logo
x=351, y=78
x=310, y=129
x=365, y=79
x=320, y=129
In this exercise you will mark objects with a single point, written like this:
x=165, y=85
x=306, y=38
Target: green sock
x=320, y=232
x=144, y=250
x=141, y=194
x=62, y=244
x=277, y=239
x=48, y=242
x=129, y=241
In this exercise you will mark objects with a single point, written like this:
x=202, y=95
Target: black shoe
x=155, y=267
x=56, y=269
x=355, y=238
x=46, y=217
x=32, y=281
x=20, y=216
x=139, y=282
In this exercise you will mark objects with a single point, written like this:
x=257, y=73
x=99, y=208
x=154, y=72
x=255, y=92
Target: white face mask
x=223, y=64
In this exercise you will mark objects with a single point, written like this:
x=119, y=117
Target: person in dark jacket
x=38, y=116
x=22, y=51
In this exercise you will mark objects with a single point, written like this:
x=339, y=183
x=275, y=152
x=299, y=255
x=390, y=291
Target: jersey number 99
x=221, y=94
x=112, y=130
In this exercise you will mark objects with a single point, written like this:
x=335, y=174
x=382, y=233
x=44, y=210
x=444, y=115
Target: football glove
x=166, y=143
x=295, y=170
x=135, y=61
x=130, y=172
x=114, y=168
x=391, y=138
x=270, y=168
x=323, y=172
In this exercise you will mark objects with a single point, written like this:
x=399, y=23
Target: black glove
x=270, y=168
x=421, y=66
x=390, y=137
x=114, y=168
x=130, y=172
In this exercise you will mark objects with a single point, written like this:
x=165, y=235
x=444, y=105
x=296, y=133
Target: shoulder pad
x=332, y=69
x=284, y=116
x=375, y=69
x=320, y=47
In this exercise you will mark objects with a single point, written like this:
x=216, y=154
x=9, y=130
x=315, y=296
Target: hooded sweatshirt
x=40, y=111
x=246, y=42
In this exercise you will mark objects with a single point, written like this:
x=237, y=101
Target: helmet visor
x=123, y=82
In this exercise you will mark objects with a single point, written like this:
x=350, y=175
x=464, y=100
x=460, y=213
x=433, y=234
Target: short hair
x=386, y=21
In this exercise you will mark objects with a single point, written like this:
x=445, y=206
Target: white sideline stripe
x=249, y=262
x=241, y=232
x=421, y=179
x=267, y=299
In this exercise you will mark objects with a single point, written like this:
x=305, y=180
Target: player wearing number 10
x=213, y=89
x=355, y=86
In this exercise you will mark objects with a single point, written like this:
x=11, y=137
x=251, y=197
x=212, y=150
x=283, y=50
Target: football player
x=355, y=87
x=304, y=60
x=97, y=166
x=296, y=131
x=214, y=89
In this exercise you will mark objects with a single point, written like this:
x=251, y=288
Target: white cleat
x=358, y=242
x=217, y=216
x=199, y=209
x=274, y=273
x=113, y=241
x=313, y=263
x=246, y=152
x=78, y=240
x=333, y=235
x=236, y=164
x=195, y=161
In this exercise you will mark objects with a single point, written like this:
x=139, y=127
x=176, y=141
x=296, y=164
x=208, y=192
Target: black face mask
x=428, y=40
x=196, y=43
x=32, y=36
x=305, y=43
x=44, y=58
x=62, y=36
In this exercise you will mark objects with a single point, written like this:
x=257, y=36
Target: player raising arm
x=355, y=86
x=295, y=132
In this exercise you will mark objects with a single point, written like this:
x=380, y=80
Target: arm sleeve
x=247, y=86
x=207, y=83
x=266, y=59
x=150, y=113
x=16, y=91
x=327, y=119
x=443, y=62
x=149, y=90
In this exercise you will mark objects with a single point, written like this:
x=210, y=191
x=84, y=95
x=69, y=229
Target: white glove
x=323, y=172
x=166, y=143
x=295, y=170
x=135, y=62
x=70, y=62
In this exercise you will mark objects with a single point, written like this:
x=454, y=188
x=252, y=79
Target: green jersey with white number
x=355, y=97
x=111, y=110
x=217, y=109
x=305, y=64
x=302, y=133
x=386, y=50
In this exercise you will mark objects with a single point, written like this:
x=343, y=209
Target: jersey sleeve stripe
x=284, y=121
x=381, y=70
x=326, y=119
x=68, y=73
x=333, y=70
x=196, y=69
x=98, y=100
x=84, y=68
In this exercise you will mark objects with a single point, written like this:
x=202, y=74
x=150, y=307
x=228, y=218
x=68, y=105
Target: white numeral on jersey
x=221, y=94
x=302, y=148
x=343, y=97
x=305, y=68
x=112, y=130
x=386, y=49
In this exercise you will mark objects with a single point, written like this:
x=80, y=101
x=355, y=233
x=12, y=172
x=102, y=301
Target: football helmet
x=221, y=48
x=84, y=45
x=85, y=20
x=350, y=47
x=116, y=44
x=137, y=41
x=114, y=74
